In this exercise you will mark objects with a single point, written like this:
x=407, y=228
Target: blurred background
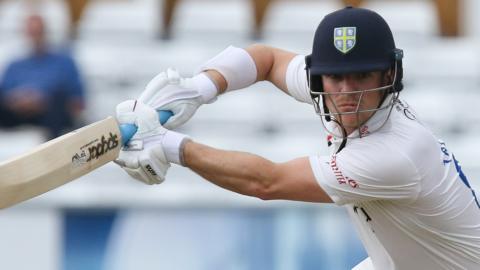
x=95, y=54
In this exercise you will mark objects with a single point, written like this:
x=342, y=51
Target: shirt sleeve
x=358, y=175
x=296, y=80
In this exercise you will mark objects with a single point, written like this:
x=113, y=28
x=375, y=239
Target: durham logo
x=95, y=149
x=344, y=38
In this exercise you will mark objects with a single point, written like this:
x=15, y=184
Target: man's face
x=339, y=101
x=35, y=30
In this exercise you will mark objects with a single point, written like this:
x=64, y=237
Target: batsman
x=404, y=190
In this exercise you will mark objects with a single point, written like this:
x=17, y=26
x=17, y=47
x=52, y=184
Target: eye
x=363, y=75
x=334, y=77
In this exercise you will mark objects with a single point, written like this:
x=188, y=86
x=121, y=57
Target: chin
x=351, y=121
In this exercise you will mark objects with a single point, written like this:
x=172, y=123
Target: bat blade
x=63, y=159
x=59, y=161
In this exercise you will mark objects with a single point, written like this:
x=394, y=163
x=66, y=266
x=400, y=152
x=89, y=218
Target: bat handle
x=128, y=130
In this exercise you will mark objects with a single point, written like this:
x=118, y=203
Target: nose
x=348, y=84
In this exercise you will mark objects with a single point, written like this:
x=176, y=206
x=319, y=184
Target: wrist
x=218, y=79
x=172, y=144
x=206, y=87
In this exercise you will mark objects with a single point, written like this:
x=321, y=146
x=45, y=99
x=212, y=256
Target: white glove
x=182, y=96
x=148, y=154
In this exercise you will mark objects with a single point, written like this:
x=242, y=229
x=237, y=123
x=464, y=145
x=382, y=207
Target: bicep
x=295, y=181
x=271, y=63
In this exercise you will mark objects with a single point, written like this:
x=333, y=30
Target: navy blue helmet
x=353, y=40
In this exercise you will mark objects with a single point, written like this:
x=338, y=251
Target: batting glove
x=148, y=154
x=182, y=96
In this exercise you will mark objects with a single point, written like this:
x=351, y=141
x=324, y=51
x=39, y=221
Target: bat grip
x=128, y=130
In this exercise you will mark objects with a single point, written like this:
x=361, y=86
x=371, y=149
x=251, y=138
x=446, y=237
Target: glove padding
x=143, y=158
x=182, y=96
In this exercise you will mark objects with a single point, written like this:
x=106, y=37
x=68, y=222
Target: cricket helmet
x=352, y=40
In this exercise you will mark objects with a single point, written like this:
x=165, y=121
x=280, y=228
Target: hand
x=148, y=154
x=182, y=96
x=26, y=101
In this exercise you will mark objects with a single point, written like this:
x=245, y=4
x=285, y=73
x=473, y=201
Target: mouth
x=347, y=107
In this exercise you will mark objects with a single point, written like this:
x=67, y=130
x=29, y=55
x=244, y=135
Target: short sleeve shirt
x=404, y=190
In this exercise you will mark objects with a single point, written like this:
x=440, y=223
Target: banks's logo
x=341, y=179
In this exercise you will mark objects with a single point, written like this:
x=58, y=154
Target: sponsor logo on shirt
x=341, y=179
x=329, y=140
x=446, y=155
x=364, y=131
x=406, y=111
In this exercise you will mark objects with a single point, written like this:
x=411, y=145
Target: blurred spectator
x=43, y=88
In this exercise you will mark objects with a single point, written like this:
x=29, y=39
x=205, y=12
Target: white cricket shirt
x=406, y=194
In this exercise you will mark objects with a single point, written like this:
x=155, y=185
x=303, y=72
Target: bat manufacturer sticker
x=95, y=149
x=80, y=158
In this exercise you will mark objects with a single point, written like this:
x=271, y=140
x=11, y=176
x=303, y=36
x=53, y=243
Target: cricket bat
x=63, y=159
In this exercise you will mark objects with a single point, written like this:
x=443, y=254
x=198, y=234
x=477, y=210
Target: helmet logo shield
x=344, y=38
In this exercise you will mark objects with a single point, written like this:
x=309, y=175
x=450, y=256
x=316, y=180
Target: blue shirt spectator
x=43, y=88
x=47, y=73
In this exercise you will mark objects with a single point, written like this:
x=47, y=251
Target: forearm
x=240, y=172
